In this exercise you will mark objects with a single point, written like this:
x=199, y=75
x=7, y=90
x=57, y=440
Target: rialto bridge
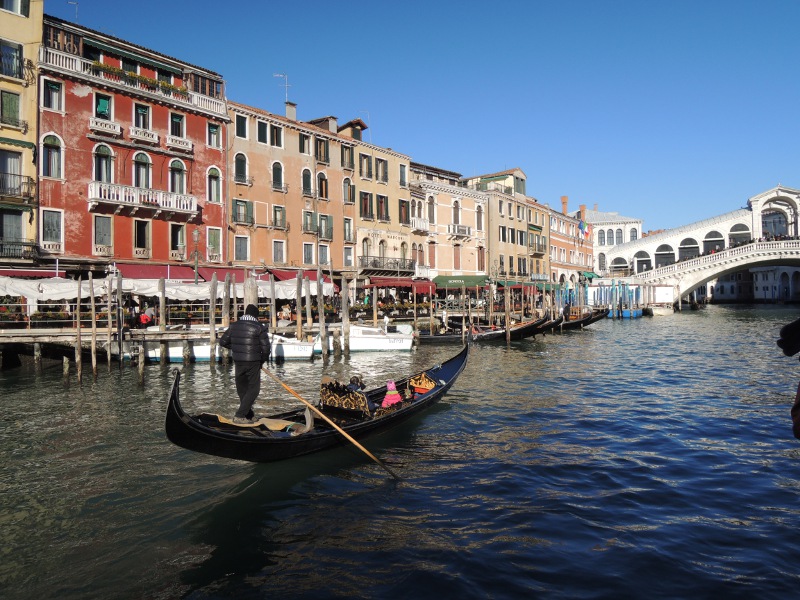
x=685, y=258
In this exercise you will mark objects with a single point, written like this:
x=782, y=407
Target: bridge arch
x=713, y=242
x=665, y=255
x=739, y=234
x=642, y=262
x=688, y=248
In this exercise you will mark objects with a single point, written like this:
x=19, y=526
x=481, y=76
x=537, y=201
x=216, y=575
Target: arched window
x=51, y=157
x=601, y=261
x=431, y=210
x=634, y=234
x=177, y=177
x=365, y=246
x=141, y=170
x=457, y=257
x=307, y=190
x=102, y=164
x=601, y=238
x=456, y=213
x=382, y=249
x=479, y=219
x=404, y=251
x=277, y=176
x=619, y=236
x=348, y=191
x=214, y=190
x=240, y=168
x=322, y=186
x=610, y=237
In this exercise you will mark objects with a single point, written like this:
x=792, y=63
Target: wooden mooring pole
x=78, y=344
x=94, y=325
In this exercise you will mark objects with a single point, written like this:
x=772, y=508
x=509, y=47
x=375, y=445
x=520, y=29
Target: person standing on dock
x=249, y=344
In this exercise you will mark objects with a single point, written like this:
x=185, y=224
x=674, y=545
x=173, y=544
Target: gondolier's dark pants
x=248, y=384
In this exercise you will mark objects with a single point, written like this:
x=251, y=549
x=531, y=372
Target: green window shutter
x=103, y=106
x=25, y=8
x=249, y=206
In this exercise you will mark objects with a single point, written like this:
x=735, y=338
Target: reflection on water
x=653, y=454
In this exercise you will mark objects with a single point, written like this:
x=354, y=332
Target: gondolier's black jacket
x=247, y=339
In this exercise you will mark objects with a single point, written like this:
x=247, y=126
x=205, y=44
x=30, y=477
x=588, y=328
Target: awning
x=457, y=281
x=170, y=272
x=418, y=285
x=286, y=274
x=237, y=275
x=135, y=57
x=20, y=143
x=31, y=273
x=590, y=274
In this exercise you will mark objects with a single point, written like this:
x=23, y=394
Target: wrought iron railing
x=13, y=185
x=17, y=248
x=385, y=263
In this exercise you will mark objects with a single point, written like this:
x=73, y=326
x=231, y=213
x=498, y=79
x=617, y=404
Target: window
x=9, y=109
x=323, y=254
x=382, y=248
x=431, y=210
x=278, y=251
x=214, y=243
x=322, y=186
x=240, y=168
x=502, y=233
x=141, y=116
x=177, y=241
x=500, y=208
x=279, y=217
x=214, y=185
x=404, y=212
x=308, y=254
x=432, y=255
x=263, y=129
x=321, y=147
x=129, y=66
x=177, y=177
x=479, y=219
x=102, y=232
x=365, y=206
x=325, y=227
x=601, y=238
x=634, y=234
x=348, y=256
x=164, y=76
x=51, y=227
x=457, y=257
x=381, y=170
x=51, y=157
x=241, y=248
x=11, y=173
x=383, y=208
x=403, y=181
x=456, y=213
x=141, y=170
x=277, y=176
x=10, y=59
x=102, y=164
x=214, y=138
x=52, y=95
x=520, y=237
x=347, y=157
x=365, y=166
x=304, y=143
x=241, y=126
x=243, y=212
x=348, y=192
x=348, y=230
x=502, y=265
x=176, y=125
x=481, y=258
x=102, y=106
x=307, y=189
x=309, y=221
x=141, y=237
x=619, y=236
x=276, y=136
x=20, y=7
x=366, y=245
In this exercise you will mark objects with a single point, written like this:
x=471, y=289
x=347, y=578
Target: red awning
x=31, y=273
x=286, y=274
x=420, y=286
x=143, y=271
x=207, y=273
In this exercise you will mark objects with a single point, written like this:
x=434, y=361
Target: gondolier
x=249, y=343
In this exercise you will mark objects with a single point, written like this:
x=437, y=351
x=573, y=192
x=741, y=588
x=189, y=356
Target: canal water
x=651, y=457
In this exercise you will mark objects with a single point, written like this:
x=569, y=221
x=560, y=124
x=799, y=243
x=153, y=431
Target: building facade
x=571, y=251
x=607, y=230
x=132, y=162
x=20, y=38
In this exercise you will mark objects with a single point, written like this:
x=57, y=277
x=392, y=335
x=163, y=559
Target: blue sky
x=671, y=111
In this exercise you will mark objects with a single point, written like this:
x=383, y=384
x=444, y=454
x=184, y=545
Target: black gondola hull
x=250, y=444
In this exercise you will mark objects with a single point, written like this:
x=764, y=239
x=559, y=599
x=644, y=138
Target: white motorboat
x=364, y=338
x=285, y=348
x=661, y=310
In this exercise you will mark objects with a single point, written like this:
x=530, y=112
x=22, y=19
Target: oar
x=330, y=422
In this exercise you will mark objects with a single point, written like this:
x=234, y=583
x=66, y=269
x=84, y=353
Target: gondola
x=528, y=329
x=277, y=438
x=595, y=315
x=475, y=334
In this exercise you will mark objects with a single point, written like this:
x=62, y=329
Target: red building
x=131, y=157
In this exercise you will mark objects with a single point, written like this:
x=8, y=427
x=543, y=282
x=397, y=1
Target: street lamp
x=196, y=239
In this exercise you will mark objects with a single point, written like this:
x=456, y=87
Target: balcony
x=240, y=217
x=309, y=227
x=242, y=179
x=325, y=233
x=179, y=143
x=52, y=247
x=459, y=230
x=99, y=125
x=214, y=257
x=323, y=158
x=422, y=271
x=141, y=253
x=18, y=248
x=177, y=254
x=279, y=187
x=349, y=238
x=537, y=249
x=382, y=264
x=348, y=165
x=17, y=186
x=420, y=225
x=102, y=250
x=135, y=199
x=308, y=192
x=143, y=135
x=70, y=64
x=278, y=222
x=14, y=122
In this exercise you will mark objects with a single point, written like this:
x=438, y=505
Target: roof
x=499, y=174
x=597, y=216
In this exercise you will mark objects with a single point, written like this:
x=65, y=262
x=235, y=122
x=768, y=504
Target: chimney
x=595, y=207
x=582, y=214
x=333, y=125
x=564, y=202
x=291, y=111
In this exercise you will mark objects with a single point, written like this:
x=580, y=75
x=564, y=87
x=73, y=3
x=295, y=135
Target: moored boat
x=290, y=434
x=364, y=338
